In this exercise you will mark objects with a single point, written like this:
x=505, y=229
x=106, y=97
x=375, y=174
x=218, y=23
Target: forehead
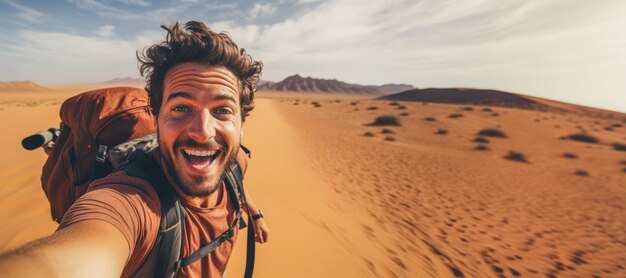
x=199, y=77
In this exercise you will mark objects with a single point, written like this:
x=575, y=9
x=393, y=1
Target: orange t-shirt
x=132, y=205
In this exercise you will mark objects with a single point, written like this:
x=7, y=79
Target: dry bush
x=583, y=137
x=390, y=138
x=386, y=120
x=337, y=101
x=480, y=139
x=401, y=107
x=316, y=104
x=404, y=114
x=429, y=119
x=619, y=147
x=455, y=115
x=492, y=132
x=516, y=156
x=354, y=103
x=368, y=134
x=481, y=148
x=394, y=103
x=616, y=125
x=495, y=114
x=441, y=131
x=387, y=131
x=570, y=155
x=372, y=108
x=487, y=109
x=468, y=108
x=580, y=172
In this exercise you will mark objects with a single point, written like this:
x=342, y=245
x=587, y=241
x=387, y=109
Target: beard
x=196, y=185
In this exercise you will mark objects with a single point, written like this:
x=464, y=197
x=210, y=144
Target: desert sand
x=344, y=198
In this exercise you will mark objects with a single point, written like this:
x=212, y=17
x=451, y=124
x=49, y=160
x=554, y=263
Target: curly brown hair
x=197, y=43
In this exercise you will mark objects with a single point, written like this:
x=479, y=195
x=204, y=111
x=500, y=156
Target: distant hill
x=471, y=96
x=25, y=85
x=297, y=83
x=127, y=81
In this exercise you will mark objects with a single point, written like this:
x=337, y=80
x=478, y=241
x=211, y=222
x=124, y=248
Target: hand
x=260, y=230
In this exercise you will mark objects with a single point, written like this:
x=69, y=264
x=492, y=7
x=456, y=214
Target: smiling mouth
x=199, y=158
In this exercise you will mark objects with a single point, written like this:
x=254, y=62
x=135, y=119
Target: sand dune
x=402, y=201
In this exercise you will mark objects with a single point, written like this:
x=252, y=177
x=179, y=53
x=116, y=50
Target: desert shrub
x=608, y=128
x=386, y=120
x=487, y=109
x=387, y=131
x=492, y=132
x=390, y=138
x=616, y=125
x=455, y=115
x=354, y=103
x=401, y=107
x=338, y=101
x=480, y=139
x=563, y=137
x=316, y=104
x=481, y=148
x=619, y=147
x=495, y=114
x=295, y=103
x=623, y=162
x=368, y=134
x=441, y=131
x=580, y=172
x=429, y=119
x=394, y=103
x=516, y=156
x=468, y=108
x=570, y=155
x=372, y=108
x=404, y=114
x=582, y=137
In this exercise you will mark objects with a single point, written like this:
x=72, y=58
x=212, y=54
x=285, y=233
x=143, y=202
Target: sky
x=567, y=50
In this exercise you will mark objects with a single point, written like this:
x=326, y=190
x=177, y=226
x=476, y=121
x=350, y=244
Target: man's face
x=199, y=125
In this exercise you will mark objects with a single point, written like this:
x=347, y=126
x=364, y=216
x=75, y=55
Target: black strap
x=250, y=250
x=209, y=247
x=171, y=230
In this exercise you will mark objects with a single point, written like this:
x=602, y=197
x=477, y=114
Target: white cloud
x=105, y=10
x=26, y=13
x=262, y=10
x=106, y=30
x=141, y=3
x=52, y=57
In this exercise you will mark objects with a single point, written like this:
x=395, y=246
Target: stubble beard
x=196, y=185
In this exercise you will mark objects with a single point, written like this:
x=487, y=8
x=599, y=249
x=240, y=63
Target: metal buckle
x=102, y=153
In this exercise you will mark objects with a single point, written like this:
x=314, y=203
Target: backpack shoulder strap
x=165, y=253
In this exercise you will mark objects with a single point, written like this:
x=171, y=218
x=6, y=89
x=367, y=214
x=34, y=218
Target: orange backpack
x=91, y=124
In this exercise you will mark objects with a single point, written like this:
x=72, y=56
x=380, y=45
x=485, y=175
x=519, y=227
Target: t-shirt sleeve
x=130, y=204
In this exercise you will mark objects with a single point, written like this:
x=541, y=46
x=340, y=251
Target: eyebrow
x=178, y=94
x=220, y=96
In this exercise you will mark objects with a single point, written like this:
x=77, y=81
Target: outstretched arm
x=90, y=248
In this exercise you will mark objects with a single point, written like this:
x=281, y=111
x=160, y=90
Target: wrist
x=258, y=215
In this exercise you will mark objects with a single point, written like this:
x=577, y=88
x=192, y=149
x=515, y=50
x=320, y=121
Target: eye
x=181, y=108
x=223, y=111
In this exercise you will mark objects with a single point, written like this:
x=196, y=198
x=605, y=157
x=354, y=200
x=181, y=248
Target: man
x=201, y=88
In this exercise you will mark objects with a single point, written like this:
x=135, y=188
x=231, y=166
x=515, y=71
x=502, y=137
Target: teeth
x=199, y=153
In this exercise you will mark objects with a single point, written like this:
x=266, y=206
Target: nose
x=202, y=127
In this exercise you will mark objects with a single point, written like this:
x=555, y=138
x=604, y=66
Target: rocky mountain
x=470, y=96
x=25, y=85
x=297, y=83
x=127, y=81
